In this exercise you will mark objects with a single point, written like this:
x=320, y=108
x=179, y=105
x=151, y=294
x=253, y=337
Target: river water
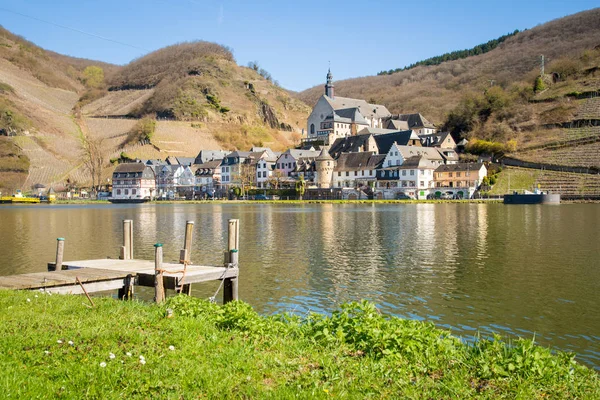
x=472, y=268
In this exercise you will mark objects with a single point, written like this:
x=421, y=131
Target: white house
x=356, y=170
x=408, y=170
x=288, y=161
x=208, y=176
x=133, y=181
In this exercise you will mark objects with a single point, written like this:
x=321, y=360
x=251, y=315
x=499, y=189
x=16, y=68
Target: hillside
x=61, y=117
x=435, y=90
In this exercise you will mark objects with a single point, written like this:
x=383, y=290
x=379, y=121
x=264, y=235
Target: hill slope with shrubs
x=494, y=96
x=65, y=117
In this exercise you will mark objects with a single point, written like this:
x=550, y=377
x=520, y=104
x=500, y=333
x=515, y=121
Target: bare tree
x=276, y=178
x=94, y=161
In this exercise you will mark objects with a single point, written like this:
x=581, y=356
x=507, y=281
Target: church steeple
x=329, y=88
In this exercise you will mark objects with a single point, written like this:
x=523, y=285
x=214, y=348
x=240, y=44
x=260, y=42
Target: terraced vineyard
x=589, y=109
x=569, y=183
x=585, y=155
x=47, y=168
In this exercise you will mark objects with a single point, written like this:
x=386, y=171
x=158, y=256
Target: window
x=133, y=191
x=126, y=191
x=347, y=173
x=458, y=174
x=355, y=173
x=118, y=191
x=312, y=129
x=403, y=172
x=363, y=172
x=412, y=171
x=422, y=183
x=339, y=173
x=389, y=163
x=450, y=174
x=397, y=162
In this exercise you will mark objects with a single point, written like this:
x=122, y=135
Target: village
x=352, y=150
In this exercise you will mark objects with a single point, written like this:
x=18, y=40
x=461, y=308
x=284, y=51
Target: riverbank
x=57, y=346
x=438, y=201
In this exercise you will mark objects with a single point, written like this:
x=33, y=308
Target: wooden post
x=230, y=285
x=126, y=292
x=185, y=254
x=159, y=287
x=60, y=249
x=127, y=248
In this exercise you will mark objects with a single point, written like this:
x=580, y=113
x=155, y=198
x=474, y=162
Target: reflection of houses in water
x=353, y=252
x=481, y=230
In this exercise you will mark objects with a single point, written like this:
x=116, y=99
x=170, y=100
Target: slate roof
x=459, y=167
x=385, y=141
x=428, y=152
x=349, y=144
x=130, y=167
x=208, y=155
x=185, y=161
x=324, y=155
x=434, y=139
x=375, y=131
x=358, y=161
x=353, y=114
x=297, y=154
x=414, y=121
x=397, y=125
x=366, y=109
x=448, y=154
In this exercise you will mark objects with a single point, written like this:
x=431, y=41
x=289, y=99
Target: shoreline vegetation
x=56, y=346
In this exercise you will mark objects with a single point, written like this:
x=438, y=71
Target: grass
x=514, y=179
x=58, y=347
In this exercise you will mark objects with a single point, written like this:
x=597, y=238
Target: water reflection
x=469, y=267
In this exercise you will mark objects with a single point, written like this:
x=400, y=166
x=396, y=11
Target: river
x=472, y=268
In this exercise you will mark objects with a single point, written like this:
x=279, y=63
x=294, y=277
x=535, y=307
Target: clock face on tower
x=322, y=116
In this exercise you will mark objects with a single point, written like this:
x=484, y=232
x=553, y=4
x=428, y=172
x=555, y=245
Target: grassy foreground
x=57, y=347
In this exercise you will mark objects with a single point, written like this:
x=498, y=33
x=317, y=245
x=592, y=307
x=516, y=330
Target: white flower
x=59, y=341
x=111, y=356
x=28, y=300
x=142, y=358
x=128, y=354
x=142, y=361
x=171, y=347
x=35, y=296
x=103, y=364
x=46, y=352
x=70, y=343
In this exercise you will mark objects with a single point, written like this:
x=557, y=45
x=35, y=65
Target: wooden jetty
x=125, y=273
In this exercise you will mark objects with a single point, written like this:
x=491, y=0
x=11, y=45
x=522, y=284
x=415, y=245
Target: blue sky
x=293, y=40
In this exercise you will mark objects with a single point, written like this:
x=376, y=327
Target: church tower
x=329, y=86
x=324, y=164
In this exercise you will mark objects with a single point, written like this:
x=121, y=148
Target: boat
x=129, y=201
x=535, y=197
x=19, y=198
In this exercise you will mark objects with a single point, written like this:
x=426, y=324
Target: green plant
x=93, y=76
x=539, y=85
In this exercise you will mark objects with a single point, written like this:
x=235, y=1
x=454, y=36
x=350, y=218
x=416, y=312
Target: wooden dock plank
x=39, y=280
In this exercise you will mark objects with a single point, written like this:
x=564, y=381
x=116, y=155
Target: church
x=336, y=117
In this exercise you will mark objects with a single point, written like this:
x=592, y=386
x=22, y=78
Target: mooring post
x=127, y=248
x=185, y=254
x=60, y=249
x=230, y=285
x=126, y=292
x=159, y=287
